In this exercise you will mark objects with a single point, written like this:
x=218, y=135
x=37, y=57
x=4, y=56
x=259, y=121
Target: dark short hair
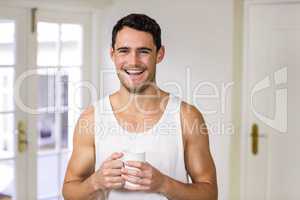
x=139, y=22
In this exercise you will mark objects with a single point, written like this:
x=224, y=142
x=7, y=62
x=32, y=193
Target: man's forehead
x=133, y=38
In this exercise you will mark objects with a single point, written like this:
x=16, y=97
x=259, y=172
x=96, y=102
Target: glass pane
x=46, y=89
x=6, y=135
x=7, y=180
x=64, y=130
x=71, y=38
x=7, y=42
x=72, y=91
x=73, y=116
x=71, y=88
x=64, y=79
x=48, y=38
x=46, y=130
x=48, y=176
x=64, y=159
x=51, y=83
x=50, y=198
x=6, y=89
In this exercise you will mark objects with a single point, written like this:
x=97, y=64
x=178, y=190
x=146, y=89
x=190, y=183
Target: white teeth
x=134, y=71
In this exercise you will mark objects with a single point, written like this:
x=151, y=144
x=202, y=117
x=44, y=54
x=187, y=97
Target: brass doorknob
x=22, y=137
x=254, y=136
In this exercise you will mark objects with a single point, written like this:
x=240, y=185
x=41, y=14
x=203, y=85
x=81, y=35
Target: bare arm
x=198, y=160
x=82, y=181
x=77, y=183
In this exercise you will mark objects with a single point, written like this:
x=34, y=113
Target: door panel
x=272, y=101
x=48, y=102
x=13, y=164
x=60, y=61
x=7, y=42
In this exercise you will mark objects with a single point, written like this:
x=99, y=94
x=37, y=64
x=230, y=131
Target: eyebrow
x=122, y=48
x=140, y=48
x=145, y=48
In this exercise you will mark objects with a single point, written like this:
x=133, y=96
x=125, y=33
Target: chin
x=136, y=89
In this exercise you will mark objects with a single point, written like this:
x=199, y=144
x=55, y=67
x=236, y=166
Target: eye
x=144, y=51
x=123, y=50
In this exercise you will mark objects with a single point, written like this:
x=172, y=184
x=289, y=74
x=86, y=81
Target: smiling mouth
x=134, y=71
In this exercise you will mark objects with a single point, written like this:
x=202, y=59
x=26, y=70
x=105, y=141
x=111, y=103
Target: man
x=140, y=116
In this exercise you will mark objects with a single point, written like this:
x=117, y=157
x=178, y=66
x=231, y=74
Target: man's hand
x=108, y=176
x=148, y=178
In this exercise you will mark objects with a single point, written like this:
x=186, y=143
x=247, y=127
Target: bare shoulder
x=190, y=112
x=84, y=130
x=88, y=114
x=192, y=123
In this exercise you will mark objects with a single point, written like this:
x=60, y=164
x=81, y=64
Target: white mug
x=132, y=156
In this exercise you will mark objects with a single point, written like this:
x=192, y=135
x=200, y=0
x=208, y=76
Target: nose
x=133, y=59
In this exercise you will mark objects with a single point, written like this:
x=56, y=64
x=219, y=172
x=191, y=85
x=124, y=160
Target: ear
x=160, y=54
x=111, y=52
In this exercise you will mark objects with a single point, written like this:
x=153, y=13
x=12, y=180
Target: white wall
x=197, y=35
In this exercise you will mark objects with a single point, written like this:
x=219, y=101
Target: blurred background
x=237, y=61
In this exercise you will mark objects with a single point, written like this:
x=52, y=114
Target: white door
x=13, y=161
x=271, y=137
x=44, y=56
x=61, y=63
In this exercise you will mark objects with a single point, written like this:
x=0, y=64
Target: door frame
x=244, y=100
x=21, y=162
x=26, y=163
x=57, y=16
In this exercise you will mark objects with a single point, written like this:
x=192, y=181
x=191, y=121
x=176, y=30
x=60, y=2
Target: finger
x=116, y=185
x=136, y=180
x=115, y=179
x=112, y=172
x=144, y=182
x=114, y=156
x=137, y=188
x=131, y=179
x=136, y=164
x=132, y=172
x=147, y=174
x=114, y=164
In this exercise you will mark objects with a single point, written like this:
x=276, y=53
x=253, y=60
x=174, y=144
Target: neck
x=146, y=102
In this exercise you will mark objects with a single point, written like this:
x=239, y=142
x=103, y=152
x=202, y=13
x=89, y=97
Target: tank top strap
x=174, y=104
x=177, y=118
x=173, y=109
x=102, y=117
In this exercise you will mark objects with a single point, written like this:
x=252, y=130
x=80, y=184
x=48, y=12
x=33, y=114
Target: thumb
x=115, y=156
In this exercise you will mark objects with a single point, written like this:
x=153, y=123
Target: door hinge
x=33, y=20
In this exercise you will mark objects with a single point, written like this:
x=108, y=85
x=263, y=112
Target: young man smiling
x=140, y=116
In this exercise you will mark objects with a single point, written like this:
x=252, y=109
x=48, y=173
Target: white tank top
x=162, y=144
